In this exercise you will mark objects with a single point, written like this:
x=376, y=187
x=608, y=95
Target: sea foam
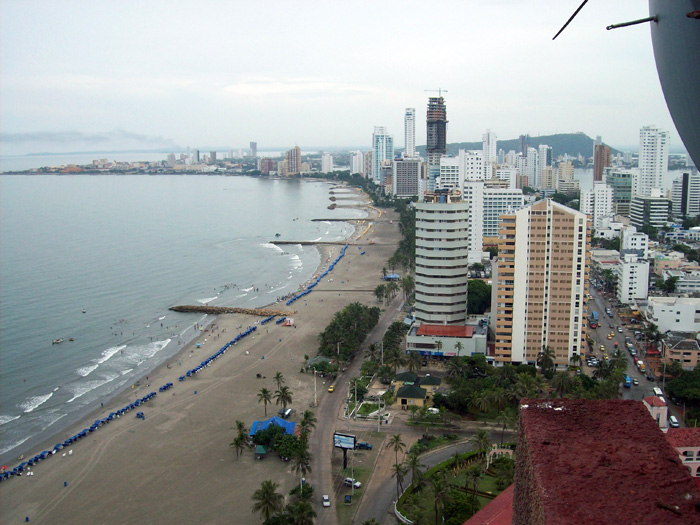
x=86, y=370
x=109, y=353
x=7, y=419
x=34, y=402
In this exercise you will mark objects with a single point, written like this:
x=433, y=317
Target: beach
x=176, y=465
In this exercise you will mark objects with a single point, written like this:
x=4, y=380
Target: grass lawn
x=368, y=408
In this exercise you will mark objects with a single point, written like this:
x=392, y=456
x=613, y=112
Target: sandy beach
x=176, y=466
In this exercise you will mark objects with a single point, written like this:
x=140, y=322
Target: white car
x=619, y=329
x=326, y=500
x=349, y=482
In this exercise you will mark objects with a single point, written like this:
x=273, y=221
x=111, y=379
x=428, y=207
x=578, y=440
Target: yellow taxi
x=610, y=336
x=602, y=348
x=331, y=388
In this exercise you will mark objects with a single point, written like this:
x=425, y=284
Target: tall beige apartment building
x=539, y=283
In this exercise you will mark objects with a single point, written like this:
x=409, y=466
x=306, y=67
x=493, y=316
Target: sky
x=104, y=75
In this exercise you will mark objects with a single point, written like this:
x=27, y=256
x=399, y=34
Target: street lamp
x=315, y=398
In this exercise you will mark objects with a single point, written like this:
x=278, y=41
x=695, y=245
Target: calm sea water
x=124, y=249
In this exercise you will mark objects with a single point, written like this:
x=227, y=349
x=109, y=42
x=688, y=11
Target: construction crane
x=440, y=91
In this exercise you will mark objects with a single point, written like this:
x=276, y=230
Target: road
x=327, y=414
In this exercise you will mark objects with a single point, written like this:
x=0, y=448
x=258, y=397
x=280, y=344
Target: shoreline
x=46, y=439
x=180, y=453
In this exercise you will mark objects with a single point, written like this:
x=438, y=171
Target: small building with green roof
x=411, y=395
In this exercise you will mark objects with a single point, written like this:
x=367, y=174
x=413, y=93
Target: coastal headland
x=176, y=465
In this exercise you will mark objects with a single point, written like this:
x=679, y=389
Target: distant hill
x=571, y=143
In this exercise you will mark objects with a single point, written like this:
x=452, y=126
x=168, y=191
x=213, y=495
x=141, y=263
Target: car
x=619, y=329
x=602, y=348
x=635, y=381
x=363, y=445
x=650, y=377
x=610, y=336
x=331, y=388
x=326, y=500
x=612, y=325
x=350, y=482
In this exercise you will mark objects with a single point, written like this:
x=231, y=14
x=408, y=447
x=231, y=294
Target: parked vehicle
x=363, y=445
x=350, y=482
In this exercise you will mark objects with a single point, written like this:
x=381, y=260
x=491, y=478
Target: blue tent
x=288, y=426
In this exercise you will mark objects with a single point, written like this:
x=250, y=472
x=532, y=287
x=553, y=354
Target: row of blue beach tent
x=267, y=319
x=74, y=439
x=318, y=280
x=218, y=354
x=165, y=387
x=281, y=320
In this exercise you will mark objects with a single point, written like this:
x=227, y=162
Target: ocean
x=100, y=259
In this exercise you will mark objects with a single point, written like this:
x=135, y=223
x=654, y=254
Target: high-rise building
x=548, y=178
x=601, y=160
x=622, y=181
x=383, y=150
x=653, y=159
x=497, y=202
x=652, y=210
x=539, y=284
x=406, y=177
x=326, y=163
x=442, y=247
x=266, y=166
x=358, y=163
x=194, y=159
x=489, y=149
x=409, y=133
x=253, y=149
x=509, y=175
x=632, y=278
x=212, y=157
x=474, y=197
x=685, y=194
x=369, y=164
x=293, y=158
x=544, y=160
x=436, y=144
x=597, y=203
x=632, y=240
x=524, y=141
x=532, y=168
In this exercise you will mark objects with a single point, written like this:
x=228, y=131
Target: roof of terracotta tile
x=604, y=461
x=654, y=401
x=498, y=512
x=683, y=437
x=441, y=330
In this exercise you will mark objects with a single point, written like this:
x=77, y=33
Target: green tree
x=472, y=477
x=240, y=443
x=478, y=297
x=267, y=501
x=283, y=396
x=441, y=492
x=408, y=285
x=399, y=472
x=413, y=361
x=265, y=397
x=279, y=380
x=481, y=442
x=546, y=359
x=563, y=383
x=397, y=444
x=307, y=423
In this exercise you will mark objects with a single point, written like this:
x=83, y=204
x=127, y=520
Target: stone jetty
x=217, y=310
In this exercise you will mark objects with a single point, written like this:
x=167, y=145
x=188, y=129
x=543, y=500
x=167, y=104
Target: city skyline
x=83, y=76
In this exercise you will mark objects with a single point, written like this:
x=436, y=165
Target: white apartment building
x=532, y=167
x=653, y=159
x=631, y=239
x=383, y=150
x=511, y=159
x=357, y=164
x=685, y=194
x=326, y=163
x=451, y=173
x=490, y=157
x=442, y=249
x=598, y=203
x=409, y=130
x=649, y=210
x=509, y=175
x=688, y=281
x=498, y=202
x=544, y=160
x=474, y=198
x=674, y=313
x=632, y=278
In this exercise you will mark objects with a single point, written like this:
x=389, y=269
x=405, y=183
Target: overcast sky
x=96, y=75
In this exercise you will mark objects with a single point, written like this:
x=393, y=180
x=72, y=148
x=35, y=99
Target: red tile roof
x=442, y=330
x=603, y=461
x=498, y=512
x=683, y=437
x=654, y=401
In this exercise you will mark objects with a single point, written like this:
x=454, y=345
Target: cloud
x=118, y=136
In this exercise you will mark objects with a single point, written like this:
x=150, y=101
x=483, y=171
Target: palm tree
x=413, y=409
x=265, y=397
x=267, y=500
x=441, y=491
x=438, y=345
x=508, y=419
x=602, y=370
x=241, y=429
x=575, y=359
x=399, y=471
x=413, y=360
x=481, y=442
x=283, y=396
x=473, y=476
x=413, y=464
x=398, y=445
x=384, y=272
x=394, y=358
x=240, y=444
x=408, y=285
x=380, y=292
x=307, y=423
x=459, y=347
x=546, y=359
x=279, y=380
x=457, y=368
x=563, y=383
x=301, y=513
x=392, y=288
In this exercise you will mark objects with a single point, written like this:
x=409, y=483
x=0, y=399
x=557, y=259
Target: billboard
x=344, y=441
